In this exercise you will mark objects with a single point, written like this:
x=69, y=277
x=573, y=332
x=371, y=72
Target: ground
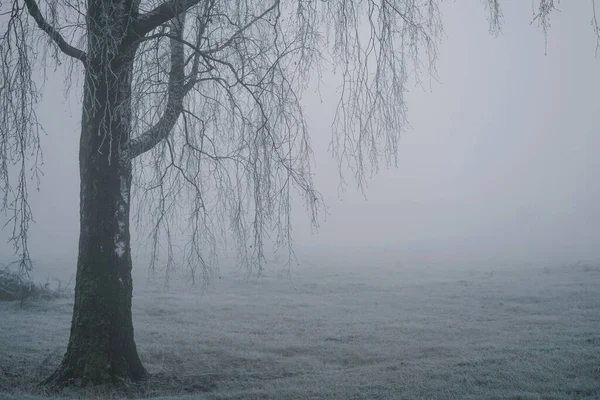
x=342, y=332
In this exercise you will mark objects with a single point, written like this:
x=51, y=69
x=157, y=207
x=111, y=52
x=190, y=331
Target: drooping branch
x=496, y=16
x=595, y=26
x=160, y=15
x=245, y=27
x=20, y=146
x=62, y=44
x=179, y=84
x=542, y=15
x=177, y=90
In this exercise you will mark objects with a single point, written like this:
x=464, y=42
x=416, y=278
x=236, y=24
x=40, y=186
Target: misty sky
x=501, y=160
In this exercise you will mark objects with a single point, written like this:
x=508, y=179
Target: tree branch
x=161, y=14
x=596, y=26
x=176, y=92
x=65, y=47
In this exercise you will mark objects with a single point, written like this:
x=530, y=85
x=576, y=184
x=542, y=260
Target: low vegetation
x=18, y=287
x=336, y=332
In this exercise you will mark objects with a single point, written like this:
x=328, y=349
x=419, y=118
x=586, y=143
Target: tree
x=191, y=109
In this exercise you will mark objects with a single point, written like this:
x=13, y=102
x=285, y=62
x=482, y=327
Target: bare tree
x=193, y=108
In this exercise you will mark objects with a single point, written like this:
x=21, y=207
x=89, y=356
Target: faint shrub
x=17, y=287
x=585, y=267
x=14, y=286
x=47, y=291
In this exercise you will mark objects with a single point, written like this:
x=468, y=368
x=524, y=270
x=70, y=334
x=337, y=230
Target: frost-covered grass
x=339, y=332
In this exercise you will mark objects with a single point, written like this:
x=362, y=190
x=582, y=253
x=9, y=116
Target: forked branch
x=177, y=90
x=160, y=15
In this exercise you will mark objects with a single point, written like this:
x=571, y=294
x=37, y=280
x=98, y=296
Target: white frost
x=124, y=191
x=120, y=248
x=121, y=213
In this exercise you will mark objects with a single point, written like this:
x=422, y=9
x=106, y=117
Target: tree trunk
x=101, y=347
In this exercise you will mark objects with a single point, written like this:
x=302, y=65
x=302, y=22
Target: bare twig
x=66, y=48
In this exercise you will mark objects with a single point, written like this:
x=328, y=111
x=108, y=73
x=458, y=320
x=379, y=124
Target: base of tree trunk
x=93, y=371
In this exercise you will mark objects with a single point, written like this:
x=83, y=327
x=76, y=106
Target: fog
x=500, y=162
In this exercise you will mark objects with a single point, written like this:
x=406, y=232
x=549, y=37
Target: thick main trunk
x=101, y=347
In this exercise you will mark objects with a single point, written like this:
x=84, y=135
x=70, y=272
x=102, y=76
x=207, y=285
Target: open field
x=335, y=332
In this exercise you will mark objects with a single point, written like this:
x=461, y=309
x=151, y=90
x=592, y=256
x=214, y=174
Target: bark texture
x=101, y=347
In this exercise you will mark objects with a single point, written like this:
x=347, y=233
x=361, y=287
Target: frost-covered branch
x=20, y=151
x=596, y=26
x=241, y=146
x=54, y=35
x=177, y=90
x=495, y=16
x=161, y=14
x=380, y=47
x=541, y=15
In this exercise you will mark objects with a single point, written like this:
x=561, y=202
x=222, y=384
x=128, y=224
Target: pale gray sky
x=502, y=156
x=501, y=160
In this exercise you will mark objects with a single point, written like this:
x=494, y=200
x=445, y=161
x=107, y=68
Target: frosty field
x=333, y=331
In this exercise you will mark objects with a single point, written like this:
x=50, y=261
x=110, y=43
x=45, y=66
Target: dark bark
x=101, y=347
x=159, y=15
x=55, y=35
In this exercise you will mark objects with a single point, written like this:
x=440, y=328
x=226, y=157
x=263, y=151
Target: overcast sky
x=501, y=160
